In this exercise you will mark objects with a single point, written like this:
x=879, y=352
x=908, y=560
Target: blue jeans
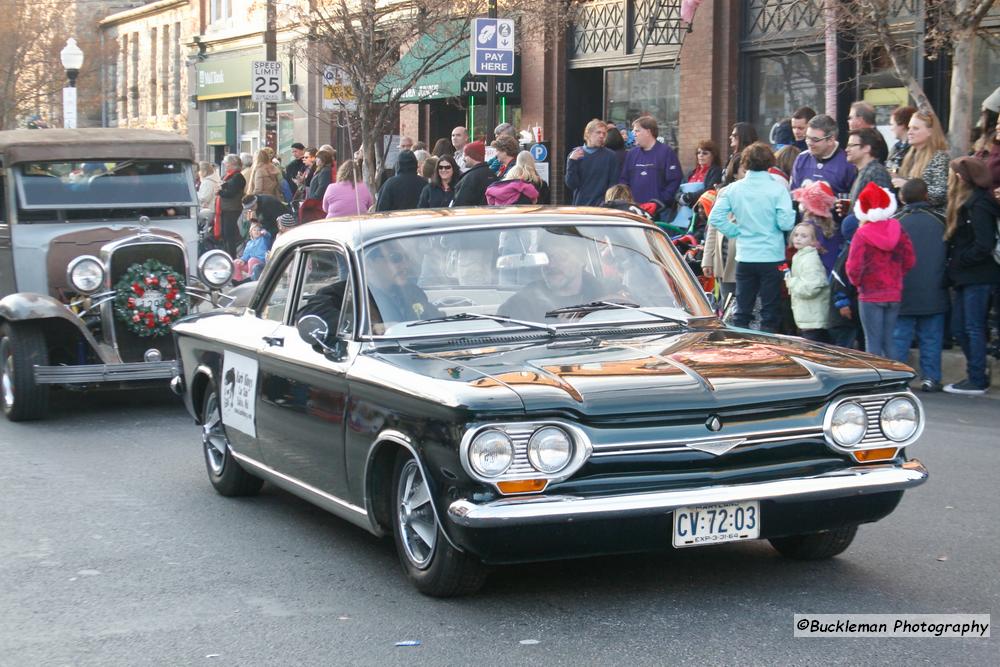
x=968, y=325
x=761, y=279
x=930, y=338
x=879, y=321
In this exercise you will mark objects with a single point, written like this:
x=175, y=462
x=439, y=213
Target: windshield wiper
x=458, y=317
x=592, y=306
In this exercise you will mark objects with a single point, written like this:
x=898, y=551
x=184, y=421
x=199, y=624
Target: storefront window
x=506, y=113
x=780, y=84
x=656, y=92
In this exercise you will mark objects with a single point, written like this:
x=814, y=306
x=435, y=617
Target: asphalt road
x=114, y=550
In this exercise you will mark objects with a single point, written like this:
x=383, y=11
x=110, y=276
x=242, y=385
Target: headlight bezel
x=209, y=256
x=76, y=263
x=872, y=405
x=521, y=468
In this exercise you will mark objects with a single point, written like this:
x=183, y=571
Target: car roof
x=357, y=231
x=93, y=144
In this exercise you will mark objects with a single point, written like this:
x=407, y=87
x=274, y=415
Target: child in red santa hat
x=880, y=255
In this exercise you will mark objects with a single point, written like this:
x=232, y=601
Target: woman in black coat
x=743, y=135
x=231, y=205
x=441, y=190
x=971, y=233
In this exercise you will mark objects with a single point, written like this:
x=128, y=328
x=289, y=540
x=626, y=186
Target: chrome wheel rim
x=7, y=359
x=213, y=435
x=415, y=516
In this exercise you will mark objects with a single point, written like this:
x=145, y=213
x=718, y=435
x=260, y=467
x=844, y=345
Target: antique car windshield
x=105, y=184
x=497, y=278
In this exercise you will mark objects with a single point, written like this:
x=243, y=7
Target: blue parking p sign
x=492, y=47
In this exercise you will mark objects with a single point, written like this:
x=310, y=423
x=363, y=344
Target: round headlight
x=848, y=424
x=550, y=449
x=899, y=419
x=215, y=268
x=85, y=274
x=491, y=453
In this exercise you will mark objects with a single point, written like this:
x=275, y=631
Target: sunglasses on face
x=701, y=152
x=444, y=167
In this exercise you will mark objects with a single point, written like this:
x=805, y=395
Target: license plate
x=714, y=524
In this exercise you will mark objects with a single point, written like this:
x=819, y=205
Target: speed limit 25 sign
x=265, y=81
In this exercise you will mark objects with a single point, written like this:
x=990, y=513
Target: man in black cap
x=402, y=191
x=266, y=210
x=295, y=165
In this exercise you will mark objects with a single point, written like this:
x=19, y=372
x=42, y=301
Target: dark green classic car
x=508, y=385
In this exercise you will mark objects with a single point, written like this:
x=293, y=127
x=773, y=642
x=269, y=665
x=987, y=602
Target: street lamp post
x=72, y=60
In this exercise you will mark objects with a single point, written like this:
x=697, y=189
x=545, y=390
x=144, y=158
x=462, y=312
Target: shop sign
x=221, y=77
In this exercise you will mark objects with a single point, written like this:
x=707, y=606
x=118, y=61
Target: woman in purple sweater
x=345, y=197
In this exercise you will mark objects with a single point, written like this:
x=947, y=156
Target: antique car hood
x=696, y=369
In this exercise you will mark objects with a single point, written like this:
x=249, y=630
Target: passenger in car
x=395, y=296
x=565, y=281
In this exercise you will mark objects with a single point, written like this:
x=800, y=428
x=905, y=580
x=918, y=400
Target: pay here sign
x=492, y=47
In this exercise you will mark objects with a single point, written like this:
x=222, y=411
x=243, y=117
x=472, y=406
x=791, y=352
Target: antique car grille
x=130, y=346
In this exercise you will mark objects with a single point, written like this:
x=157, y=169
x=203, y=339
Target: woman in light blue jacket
x=763, y=212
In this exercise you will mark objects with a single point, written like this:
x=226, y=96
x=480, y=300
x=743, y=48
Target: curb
x=953, y=369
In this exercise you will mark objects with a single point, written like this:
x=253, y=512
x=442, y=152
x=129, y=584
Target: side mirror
x=313, y=329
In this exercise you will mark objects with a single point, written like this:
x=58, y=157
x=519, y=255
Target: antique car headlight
x=848, y=424
x=215, y=268
x=899, y=419
x=550, y=449
x=491, y=453
x=85, y=274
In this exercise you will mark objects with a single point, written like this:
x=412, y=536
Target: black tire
x=816, y=546
x=22, y=347
x=438, y=570
x=224, y=471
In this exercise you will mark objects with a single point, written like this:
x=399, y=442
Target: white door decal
x=239, y=384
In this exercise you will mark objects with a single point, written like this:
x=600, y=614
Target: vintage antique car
x=98, y=236
x=508, y=385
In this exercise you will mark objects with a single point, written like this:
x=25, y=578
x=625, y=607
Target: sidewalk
x=953, y=369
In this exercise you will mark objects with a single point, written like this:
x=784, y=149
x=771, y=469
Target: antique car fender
x=28, y=306
x=381, y=457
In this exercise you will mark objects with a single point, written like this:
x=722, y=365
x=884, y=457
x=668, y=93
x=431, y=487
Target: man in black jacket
x=925, y=296
x=295, y=165
x=402, y=191
x=471, y=190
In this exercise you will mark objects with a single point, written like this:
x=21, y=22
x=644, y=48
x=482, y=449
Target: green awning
x=444, y=78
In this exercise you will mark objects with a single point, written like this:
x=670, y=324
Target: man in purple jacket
x=824, y=160
x=651, y=169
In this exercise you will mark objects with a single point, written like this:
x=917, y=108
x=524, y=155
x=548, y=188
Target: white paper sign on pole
x=69, y=108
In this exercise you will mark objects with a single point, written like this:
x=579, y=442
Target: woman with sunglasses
x=708, y=171
x=441, y=190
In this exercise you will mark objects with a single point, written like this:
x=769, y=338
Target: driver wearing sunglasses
x=393, y=291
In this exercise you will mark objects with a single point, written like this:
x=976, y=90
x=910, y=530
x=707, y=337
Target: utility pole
x=270, y=109
x=491, y=90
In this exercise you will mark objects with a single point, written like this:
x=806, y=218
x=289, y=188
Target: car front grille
x=132, y=348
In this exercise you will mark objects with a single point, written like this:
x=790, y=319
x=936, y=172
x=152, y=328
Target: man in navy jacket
x=591, y=169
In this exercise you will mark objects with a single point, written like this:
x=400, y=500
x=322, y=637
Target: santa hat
x=816, y=198
x=874, y=204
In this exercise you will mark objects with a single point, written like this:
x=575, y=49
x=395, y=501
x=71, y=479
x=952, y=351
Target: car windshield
x=105, y=184
x=539, y=278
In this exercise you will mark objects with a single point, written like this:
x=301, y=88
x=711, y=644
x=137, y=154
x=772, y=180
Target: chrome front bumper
x=142, y=370
x=859, y=480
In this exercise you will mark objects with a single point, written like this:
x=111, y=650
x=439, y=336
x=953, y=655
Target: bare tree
x=952, y=28
x=31, y=76
x=366, y=38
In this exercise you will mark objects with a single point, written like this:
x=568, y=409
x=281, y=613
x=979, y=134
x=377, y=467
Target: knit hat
x=406, y=162
x=476, y=150
x=287, y=220
x=973, y=171
x=874, y=204
x=816, y=198
x=707, y=201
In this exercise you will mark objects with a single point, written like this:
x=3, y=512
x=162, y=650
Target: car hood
x=696, y=369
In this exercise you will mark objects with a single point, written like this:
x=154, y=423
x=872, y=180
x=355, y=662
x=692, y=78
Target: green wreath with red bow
x=149, y=297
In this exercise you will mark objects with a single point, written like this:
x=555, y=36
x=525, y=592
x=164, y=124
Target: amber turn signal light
x=880, y=454
x=522, y=486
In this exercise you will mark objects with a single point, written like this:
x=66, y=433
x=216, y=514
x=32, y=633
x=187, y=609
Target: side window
x=325, y=281
x=277, y=302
